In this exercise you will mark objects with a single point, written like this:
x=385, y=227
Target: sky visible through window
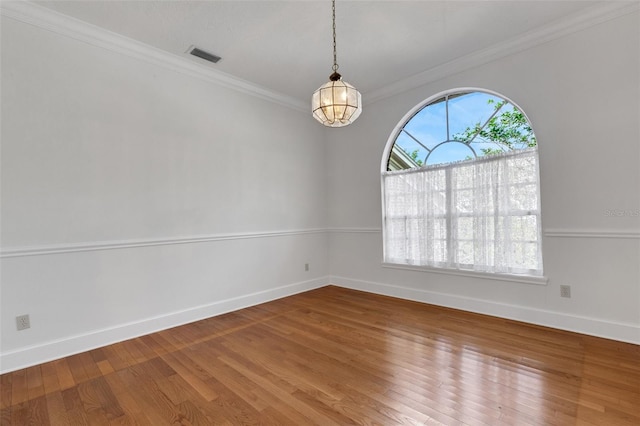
x=429, y=127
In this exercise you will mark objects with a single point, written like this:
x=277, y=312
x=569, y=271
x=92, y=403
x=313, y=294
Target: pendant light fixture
x=336, y=103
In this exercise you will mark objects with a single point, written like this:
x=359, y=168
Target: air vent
x=205, y=55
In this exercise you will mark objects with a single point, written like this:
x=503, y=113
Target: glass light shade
x=336, y=104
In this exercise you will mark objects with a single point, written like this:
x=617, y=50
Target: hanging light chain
x=336, y=103
x=335, y=55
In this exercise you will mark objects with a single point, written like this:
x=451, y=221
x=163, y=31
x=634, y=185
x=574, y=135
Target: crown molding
x=590, y=17
x=58, y=23
x=50, y=20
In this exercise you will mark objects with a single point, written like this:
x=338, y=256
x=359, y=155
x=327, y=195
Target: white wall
x=582, y=94
x=136, y=197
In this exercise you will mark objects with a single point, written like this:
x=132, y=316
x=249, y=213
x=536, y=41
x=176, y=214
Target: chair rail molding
x=133, y=243
x=592, y=233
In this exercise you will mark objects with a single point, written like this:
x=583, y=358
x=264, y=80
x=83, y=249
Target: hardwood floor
x=335, y=357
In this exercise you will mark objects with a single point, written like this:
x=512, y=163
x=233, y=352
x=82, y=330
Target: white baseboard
x=33, y=355
x=624, y=332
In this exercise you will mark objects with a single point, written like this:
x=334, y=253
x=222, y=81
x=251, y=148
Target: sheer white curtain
x=481, y=215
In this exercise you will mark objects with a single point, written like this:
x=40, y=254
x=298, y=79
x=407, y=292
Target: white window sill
x=525, y=279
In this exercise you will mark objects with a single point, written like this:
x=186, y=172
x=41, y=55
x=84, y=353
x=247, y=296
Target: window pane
x=465, y=228
x=450, y=153
x=440, y=229
x=410, y=147
x=429, y=125
x=439, y=254
x=525, y=256
x=488, y=210
x=521, y=170
x=524, y=228
x=463, y=200
x=465, y=252
x=524, y=197
x=470, y=110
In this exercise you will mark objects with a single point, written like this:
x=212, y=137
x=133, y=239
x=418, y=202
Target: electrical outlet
x=23, y=322
x=306, y=267
x=565, y=291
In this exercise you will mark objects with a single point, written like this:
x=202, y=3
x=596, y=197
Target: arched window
x=460, y=182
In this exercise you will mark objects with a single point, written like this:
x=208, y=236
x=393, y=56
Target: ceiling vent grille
x=205, y=55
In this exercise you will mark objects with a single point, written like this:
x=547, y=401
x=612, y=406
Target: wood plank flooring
x=336, y=357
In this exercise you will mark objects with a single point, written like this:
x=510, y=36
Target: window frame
x=520, y=278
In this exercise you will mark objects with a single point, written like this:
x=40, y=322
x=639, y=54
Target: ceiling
x=286, y=46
